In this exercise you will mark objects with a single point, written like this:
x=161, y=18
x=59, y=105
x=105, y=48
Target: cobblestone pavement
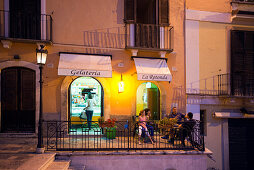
x=14, y=151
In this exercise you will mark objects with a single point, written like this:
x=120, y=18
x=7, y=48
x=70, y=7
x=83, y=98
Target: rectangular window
x=25, y=19
x=147, y=11
x=242, y=63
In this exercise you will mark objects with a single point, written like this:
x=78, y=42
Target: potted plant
x=109, y=126
x=167, y=123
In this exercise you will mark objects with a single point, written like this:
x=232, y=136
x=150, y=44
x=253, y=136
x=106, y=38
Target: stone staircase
x=45, y=161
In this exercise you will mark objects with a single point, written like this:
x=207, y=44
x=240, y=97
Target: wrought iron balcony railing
x=76, y=136
x=149, y=36
x=236, y=84
x=25, y=26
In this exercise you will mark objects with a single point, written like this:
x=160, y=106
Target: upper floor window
x=242, y=63
x=147, y=11
x=25, y=19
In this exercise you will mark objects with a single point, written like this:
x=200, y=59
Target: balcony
x=242, y=10
x=18, y=26
x=75, y=136
x=237, y=84
x=149, y=37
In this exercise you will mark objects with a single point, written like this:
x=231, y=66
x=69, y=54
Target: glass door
x=78, y=101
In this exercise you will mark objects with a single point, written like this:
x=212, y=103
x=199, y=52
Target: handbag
x=83, y=114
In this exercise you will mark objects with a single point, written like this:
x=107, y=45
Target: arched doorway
x=148, y=96
x=18, y=100
x=77, y=103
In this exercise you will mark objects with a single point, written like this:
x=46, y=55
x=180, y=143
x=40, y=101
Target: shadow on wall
x=178, y=99
x=105, y=38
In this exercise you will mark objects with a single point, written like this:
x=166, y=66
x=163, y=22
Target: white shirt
x=90, y=104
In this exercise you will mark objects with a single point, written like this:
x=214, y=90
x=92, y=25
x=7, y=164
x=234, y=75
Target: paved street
x=14, y=151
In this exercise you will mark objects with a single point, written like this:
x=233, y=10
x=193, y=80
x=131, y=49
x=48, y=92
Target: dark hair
x=90, y=96
x=190, y=115
x=146, y=111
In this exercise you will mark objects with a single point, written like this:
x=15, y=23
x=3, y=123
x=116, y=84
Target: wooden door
x=18, y=100
x=153, y=102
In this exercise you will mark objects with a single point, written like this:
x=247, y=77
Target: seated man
x=186, y=128
x=179, y=117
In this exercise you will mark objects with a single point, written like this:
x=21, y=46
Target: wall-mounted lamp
x=121, y=85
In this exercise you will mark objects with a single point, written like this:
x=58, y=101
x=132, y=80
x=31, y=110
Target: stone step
x=38, y=162
x=76, y=167
x=18, y=135
x=59, y=164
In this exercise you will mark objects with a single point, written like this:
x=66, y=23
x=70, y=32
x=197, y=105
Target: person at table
x=180, y=118
x=142, y=119
x=186, y=128
x=149, y=127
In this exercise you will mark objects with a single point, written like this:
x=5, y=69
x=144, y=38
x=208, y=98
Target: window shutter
x=129, y=12
x=164, y=12
x=242, y=62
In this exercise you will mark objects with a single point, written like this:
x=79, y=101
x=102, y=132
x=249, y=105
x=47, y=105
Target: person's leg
x=139, y=134
x=151, y=130
x=91, y=118
x=89, y=115
x=172, y=136
x=183, y=135
x=87, y=118
x=167, y=132
x=147, y=133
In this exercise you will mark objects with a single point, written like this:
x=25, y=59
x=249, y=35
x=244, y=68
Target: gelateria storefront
x=90, y=73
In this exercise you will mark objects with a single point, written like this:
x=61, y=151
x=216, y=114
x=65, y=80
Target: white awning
x=152, y=69
x=84, y=65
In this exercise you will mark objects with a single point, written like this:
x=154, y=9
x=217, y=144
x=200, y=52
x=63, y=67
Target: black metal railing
x=242, y=84
x=149, y=36
x=235, y=84
x=75, y=136
x=25, y=26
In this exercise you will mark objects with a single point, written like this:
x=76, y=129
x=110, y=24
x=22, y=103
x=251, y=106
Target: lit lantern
x=41, y=55
x=121, y=85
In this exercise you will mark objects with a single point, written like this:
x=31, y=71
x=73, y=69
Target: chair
x=143, y=134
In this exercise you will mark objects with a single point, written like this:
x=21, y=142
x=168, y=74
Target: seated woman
x=149, y=127
x=142, y=125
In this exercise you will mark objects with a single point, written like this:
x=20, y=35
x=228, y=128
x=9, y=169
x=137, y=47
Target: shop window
x=78, y=102
x=148, y=96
